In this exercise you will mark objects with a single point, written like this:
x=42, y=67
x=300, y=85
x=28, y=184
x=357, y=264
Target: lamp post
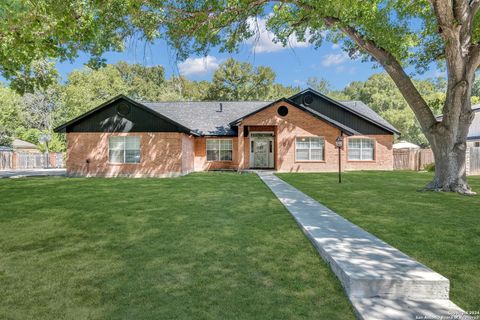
x=339, y=144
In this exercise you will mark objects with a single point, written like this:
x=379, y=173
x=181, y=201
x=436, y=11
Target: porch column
x=241, y=148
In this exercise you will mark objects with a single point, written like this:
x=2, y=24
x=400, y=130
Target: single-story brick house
x=123, y=137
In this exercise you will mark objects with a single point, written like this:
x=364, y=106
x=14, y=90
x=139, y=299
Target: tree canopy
x=236, y=80
x=54, y=29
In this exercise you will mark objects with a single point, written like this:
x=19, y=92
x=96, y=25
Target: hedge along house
x=123, y=137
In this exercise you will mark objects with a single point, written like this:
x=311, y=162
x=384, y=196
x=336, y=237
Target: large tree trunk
x=448, y=139
x=450, y=166
x=448, y=136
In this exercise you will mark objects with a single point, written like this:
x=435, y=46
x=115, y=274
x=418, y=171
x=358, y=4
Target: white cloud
x=333, y=59
x=198, y=66
x=262, y=41
x=335, y=46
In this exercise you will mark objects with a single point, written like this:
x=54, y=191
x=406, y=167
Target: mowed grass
x=441, y=230
x=204, y=246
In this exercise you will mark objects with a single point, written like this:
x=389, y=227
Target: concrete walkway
x=31, y=173
x=380, y=281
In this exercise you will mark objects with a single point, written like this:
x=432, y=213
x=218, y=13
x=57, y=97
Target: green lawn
x=204, y=246
x=438, y=229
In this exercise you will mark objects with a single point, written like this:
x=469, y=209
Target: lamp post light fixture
x=339, y=145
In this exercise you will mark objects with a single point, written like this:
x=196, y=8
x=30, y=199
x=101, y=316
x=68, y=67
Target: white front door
x=261, y=150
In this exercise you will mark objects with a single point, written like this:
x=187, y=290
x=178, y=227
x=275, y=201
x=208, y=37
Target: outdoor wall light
x=339, y=142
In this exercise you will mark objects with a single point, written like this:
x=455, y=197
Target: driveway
x=31, y=173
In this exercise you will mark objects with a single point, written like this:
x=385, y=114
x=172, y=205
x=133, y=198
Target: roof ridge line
x=222, y=101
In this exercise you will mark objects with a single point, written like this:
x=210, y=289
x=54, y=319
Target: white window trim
x=218, y=139
x=309, y=149
x=361, y=150
x=124, y=150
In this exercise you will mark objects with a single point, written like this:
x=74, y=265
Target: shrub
x=430, y=167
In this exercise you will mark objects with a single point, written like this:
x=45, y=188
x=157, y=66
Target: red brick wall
x=171, y=154
x=298, y=123
x=161, y=155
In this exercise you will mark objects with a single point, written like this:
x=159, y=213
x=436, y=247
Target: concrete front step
x=381, y=281
x=375, y=309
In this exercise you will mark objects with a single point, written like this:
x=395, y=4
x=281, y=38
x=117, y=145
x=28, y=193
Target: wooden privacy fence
x=27, y=160
x=412, y=159
x=417, y=159
x=6, y=160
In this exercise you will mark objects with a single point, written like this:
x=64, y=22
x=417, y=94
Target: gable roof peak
x=357, y=107
x=64, y=126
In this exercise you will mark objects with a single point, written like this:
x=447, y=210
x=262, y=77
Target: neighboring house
x=24, y=146
x=473, y=137
x=123, y=137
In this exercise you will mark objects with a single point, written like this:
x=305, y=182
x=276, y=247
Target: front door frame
x=270, y=155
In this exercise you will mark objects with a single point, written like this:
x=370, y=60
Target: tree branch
x=455, y=20
x=474, y=60
x=394, y=69
x=462, y=11
x=444, y=13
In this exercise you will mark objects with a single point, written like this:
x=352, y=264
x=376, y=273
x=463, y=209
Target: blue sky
x=293, y=64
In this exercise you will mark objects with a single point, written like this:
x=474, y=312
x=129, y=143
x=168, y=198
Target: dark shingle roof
x=363, y=109
x=203, y=117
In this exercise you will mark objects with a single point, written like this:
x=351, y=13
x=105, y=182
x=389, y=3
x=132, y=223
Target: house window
x=310, y=148
x=361, y=149
x=219, y=150
x=477, y=144
x=124, y=149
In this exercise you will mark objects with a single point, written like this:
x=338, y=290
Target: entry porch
x=257, y=147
